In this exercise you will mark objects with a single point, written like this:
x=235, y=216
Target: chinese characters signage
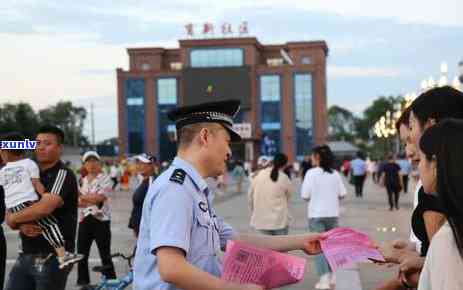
x=208, y=30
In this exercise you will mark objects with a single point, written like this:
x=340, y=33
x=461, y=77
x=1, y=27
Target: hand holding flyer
x=343, y=247
x=244, y=263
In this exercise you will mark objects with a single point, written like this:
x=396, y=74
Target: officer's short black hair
x=13, y=136
x=49, y=129
x=187, y=133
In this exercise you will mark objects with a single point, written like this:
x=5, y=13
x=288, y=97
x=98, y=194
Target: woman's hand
x=409, y=280
x=411, y=262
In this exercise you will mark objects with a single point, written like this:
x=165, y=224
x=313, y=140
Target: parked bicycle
x=113, y=284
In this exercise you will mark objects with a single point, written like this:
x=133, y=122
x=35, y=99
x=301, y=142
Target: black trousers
x=2, y=257
x=358, y=182
x=405, y=181
x=92, y=229
x=393, y=194
x=115, y=182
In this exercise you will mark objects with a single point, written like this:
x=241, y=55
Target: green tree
x=374, y=112
x=20, y=118
x=69, y=118
x=377, y=147
x=341, y=124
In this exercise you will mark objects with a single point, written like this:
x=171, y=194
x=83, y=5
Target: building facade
x=282, y=89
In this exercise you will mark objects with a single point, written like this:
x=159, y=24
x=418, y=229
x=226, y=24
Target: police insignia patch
x=202, y=205
x=178, y=176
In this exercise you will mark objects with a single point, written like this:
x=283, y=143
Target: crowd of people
x=179, y=233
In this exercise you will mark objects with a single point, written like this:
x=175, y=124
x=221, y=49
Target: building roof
x=342, y=146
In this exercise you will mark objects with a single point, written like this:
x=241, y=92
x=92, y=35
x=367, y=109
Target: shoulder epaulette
x=178, y=176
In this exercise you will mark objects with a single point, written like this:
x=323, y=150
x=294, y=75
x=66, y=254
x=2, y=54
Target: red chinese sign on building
x=208, y=29
x=226, y=29
x=189, y=29
x=244, y=28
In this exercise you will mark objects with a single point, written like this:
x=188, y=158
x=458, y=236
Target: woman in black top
x=392, y=180
x=146, y=166
x=428, y=109
x=428, y=206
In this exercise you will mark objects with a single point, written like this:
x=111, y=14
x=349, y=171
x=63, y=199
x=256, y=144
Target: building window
x=270, y=97
x=167, y=91
x=217, y=57
x=145, y=66
x=306, y=60
x=135, y=95
x=303, y=113
x=167, y=100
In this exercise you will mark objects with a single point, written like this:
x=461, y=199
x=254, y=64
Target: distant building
x=282, y=89
x=343, y=149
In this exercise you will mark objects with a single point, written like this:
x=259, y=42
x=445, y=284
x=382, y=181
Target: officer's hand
x=30, y=230
x=312, y=244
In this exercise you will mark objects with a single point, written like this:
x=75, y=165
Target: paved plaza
x=370, y=214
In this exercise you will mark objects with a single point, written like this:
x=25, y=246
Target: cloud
x=358, y=71
x=69, y=50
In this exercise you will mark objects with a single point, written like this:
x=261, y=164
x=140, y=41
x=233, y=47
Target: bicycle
x=113, y=284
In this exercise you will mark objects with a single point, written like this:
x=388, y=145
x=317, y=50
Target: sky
x=69, y=50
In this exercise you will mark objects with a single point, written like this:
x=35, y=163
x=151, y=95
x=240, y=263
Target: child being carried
x=20, y=179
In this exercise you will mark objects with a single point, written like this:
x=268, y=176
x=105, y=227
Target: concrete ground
x=370, y=215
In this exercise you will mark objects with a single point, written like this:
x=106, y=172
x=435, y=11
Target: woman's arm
x=433, y=221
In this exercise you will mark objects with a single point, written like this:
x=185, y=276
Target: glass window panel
x=135, y=102
x=270, y=88
x=218, y=57
x=135, y=95
x=167, y=91
x=167, y=100
x=270, y=96
x=303, y=113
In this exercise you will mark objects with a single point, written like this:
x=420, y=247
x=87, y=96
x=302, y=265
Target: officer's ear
x=204, y=136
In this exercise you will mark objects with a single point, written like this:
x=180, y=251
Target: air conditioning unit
x=176, y=65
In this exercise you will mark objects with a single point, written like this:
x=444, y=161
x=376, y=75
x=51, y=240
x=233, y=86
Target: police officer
x=180, y=234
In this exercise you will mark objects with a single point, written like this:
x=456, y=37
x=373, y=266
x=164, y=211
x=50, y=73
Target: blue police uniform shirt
x=405, y=166
x=358, y=167
x=177, y=213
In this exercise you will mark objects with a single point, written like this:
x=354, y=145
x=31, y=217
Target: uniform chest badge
x=203, y=206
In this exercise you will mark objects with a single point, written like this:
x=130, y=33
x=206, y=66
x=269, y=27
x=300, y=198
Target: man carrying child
x=39, y=265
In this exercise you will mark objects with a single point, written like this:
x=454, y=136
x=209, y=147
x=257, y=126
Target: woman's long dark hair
x=326, y=157
x=279, y=161
x=444, y=142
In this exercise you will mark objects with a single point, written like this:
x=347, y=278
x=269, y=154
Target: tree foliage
x=342, y=124
x=22, y=118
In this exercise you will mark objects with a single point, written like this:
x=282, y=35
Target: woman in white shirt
x=442, y=165
x=269, y=197
x=323, y=188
